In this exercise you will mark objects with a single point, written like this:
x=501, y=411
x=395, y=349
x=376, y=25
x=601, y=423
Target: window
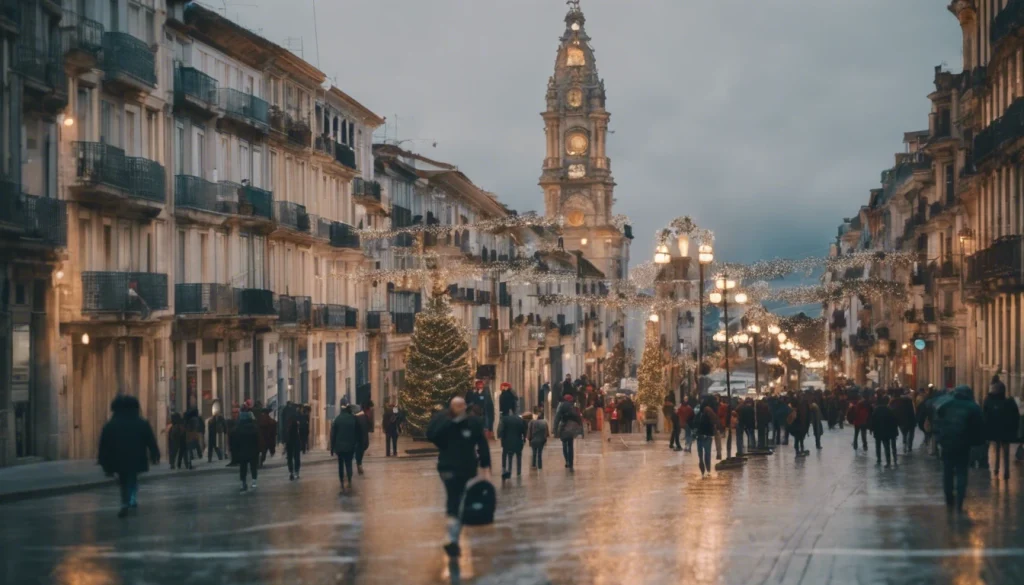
x=84, y=244
x=244, y=163
x=179, y=147
x=204, y=254
x=110, y=123
x=83, y=111
x=222, y=157
x=179, y=271
x=151, y=148
x=257, y=168
x=125, y=248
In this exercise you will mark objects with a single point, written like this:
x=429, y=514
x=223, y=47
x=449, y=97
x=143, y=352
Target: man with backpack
x=959, y=426
x=705, y=427
x=537, y=434
x=568, y=425
x=462, y=449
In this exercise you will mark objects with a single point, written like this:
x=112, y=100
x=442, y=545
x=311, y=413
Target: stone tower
x=577, y=178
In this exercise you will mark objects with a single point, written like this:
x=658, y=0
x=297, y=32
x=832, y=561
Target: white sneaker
x=254, y=485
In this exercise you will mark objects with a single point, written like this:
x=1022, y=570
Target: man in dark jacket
x=127, y=445
x=568, y=423
x=392, y=424
x=512, y=433
x=669, y=410
x=903, y=408
x=216, y=429
x=363, y=424
x=267, y=428
x=886, y=428
x=507, y=400
x=345, y=440
x=303, y=419
x=763, y=412
x=1002, y=418
x=745, y=425
x=959, y=426
x=462, y=450
x=245, y=446
x=567, y=387
x=293, y=444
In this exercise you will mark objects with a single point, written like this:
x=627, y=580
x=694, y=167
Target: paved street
x=630, y=514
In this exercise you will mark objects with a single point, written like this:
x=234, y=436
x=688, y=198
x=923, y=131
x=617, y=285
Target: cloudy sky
x=767, y=121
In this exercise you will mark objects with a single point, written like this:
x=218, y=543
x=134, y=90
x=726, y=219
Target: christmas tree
x=436, y=364
x=650, y=388
x=615, y=365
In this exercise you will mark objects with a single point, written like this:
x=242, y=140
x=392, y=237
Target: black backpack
x=478, y=503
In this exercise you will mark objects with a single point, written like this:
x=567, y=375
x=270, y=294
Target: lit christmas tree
x=650, y=387
x=436, y=363
x=615, y=365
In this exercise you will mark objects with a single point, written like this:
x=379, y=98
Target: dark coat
x=345, y=435
x=764, y=414
x=461, y=442
x=392, y=422
x=884, y=423
x=363, y=427
x=959, y=421
x=903, y=408
x=215, y=427
x=267, y=432
x=1002, y=418
x=507, y=401
x=861, y=413
x=127, y=443
x=746, y=416
x=567, y=388
x=245, y=439
x=512, y=432
x=293, y=433
x=816, y=427
x=567, y=421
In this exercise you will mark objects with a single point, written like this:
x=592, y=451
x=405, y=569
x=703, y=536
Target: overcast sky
x=767, y=121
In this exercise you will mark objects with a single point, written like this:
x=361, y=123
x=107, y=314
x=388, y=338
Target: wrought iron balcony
x=1009, y=126
x=205, y=299
x=255, y=301
x=485, y=324
x=99, y=164
x=193, y=87
x=329, y=316
x=292, y=216
x=345, y=155
x=256, y=202
x=129, y=61
x=351, y=317
x=1000, y=261
x=403, y=322
x=81, y=34
x=199, y=194
x=245, y=108
x=31, y=218
x=373, y=320
x=567, y=329
x=344, y=236
x=123, y=292
x=297, y=310
x=296, y=127
x=1008, y=21
x=483, y=297
x=366, y=190
x=320, y=227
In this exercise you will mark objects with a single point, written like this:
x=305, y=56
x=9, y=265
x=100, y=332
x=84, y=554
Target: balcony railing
x=255, y=201
x=36, y=218
x=193, y=83
x=1007, y=21
x=373, y=320
x=103, y=164
x=292, y=216
x=567, y=329
x=403, y=322
x=245, y=107
x=344, y=236
x=127, y=56
x=485, y=324
x=255, y=301
x=204, y=299
x=11, y=10
x=123, y=292
x=297, y=129
x=1000, y=260
x=1009, y=126
x=40, y=64
x=345, y=155
x=320, y=227
x=293, y=309
x=196, y=193
x=366, y=189
x=80, y=33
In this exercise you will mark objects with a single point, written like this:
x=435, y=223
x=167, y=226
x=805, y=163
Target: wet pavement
x=631, y=513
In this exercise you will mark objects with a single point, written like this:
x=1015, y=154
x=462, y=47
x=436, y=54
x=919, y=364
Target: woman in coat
x=1002, y=418
x=886, y=429
x=816, y=426
x=568, y=425
x=127, y=445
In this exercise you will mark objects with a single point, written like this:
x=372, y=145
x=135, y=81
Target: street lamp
x=705, y=256
x=653, y=318
x=683, y=241
x=721, y=295
x=755, y=331
x=661, y=255
x=774, y=330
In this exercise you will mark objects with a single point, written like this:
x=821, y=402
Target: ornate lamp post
x=705, y=256
x=723, y=286
x=755, y=331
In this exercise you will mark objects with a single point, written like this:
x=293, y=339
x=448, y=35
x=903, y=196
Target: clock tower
x=577, y=178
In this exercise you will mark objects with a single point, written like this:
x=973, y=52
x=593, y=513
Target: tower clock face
x=576, y=144
x=574, y=218
x=575, y=97
x=574, y=57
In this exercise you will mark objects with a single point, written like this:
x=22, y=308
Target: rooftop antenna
x=316, y=35
x=291, y=42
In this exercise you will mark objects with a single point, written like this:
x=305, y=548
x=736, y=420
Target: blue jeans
x=129, y=489
x=704, y=452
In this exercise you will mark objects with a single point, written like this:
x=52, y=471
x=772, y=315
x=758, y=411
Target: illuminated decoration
x=830, y=292
x=575, y=97
x=576, y=144
x=577, y=171
x=615, y=364
x=781, y=267
x=920, y=344
x=500, y=224
x=436, y=363
x=575, y=218
x=574, y=57
x=650, y=386
x=662, y=256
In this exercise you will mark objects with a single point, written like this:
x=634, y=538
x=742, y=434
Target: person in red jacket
x=860, y=418
x=685, y=414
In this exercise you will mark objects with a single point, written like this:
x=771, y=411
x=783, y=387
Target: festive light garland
x=834, y=291
x=781, y=267
x=488, y=225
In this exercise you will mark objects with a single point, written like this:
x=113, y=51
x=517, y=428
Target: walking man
x=568, y=425
x=1002, y=418
x=293, y=444
x=537, y=434
x=512, y=433
x=392, y=424
x=886, y=429
x=345, y=440
x=216, y=429
x=672, y=417
x=462, y=449
x=127, y=446
x=959, y=426
x=245, y=446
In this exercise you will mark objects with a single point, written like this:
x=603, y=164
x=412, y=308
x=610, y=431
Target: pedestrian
x=816, y=425
x=745, y=425
x=537, y=433
x=507, y=400
x=651, y=422
x=1002, y=419
x=780, y=413
x=216, y=429
x=345, y=440
x=293, y=444
x=267, y=428
x=462, y=449
x=177, y=443
x=245, y=446
x=672, y=417
x=568, y=425
x=798, y=421
x=885, y=427
x=903, y=407
x=512, y=433
x=567, y=387
x=763, y=413
x=392, y=425
x=860, y=417
x=303, y=420
x=926, y=417
x=685, y=415
x=706, y=428
x=127, y=446
x=194, y=430
x=364, y=435
x=628, y=415
x=959, y=426
x=368, y=409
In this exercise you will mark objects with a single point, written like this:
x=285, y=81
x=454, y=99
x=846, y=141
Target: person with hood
x=462, y=450
x=293, y=444
x=886, y=429
x=345, y=441
x=245, y=446
x=568, y=425
x=860, y=418
x=1002, y=419
x=512, y=433
x=903, y=408
x=216, y=429
x=507, y=400
x=364, y=435
x=392, y=425
x=816, y=424
x=959, y=426
x=267, y=428
x=177, y=443
x=127, y=446
x=537, y=433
